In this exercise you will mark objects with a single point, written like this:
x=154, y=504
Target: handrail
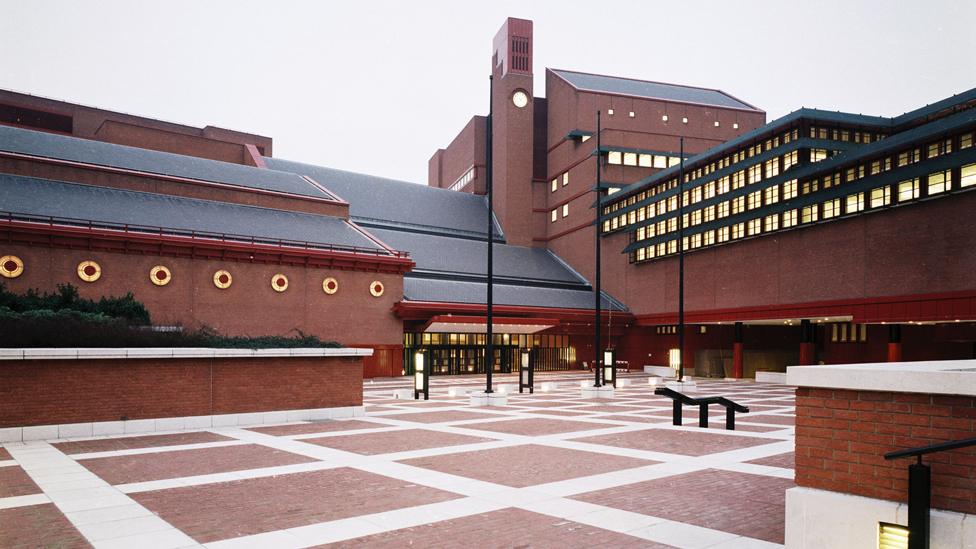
x=90, y=224
x=932, y=448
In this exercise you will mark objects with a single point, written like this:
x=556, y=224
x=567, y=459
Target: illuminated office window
x=810, y=214
x=722, y=185
x=708, y=238
x=738, y=179
x=755, y=200
x=641, y=233
x=565, y=179
x=789, y=219
x=554, y=215
x=967, y=175
x=709, y=190
x=723, y=234
x=631, y=217
x=709, y=214
x=755, y=173
x=772, y=168
x=771, y=195
x=771, y=222
x=738, y=204
x=673, y=161
x=672, y=246
x=630, y=159
x=696, y=217
x=614, y=223
x=966, y=141
x=606, y=224
x=641, y=254
x=754, y=227
x=672, y=224
x=660, y=161
x=789, y=189
x=646, y=161
x=855, y=202
x=555, y=185
x=939, y=148
x=816, y=155
x=660, y=249
x=672, y=203
x=696, y=241
x=880, y=197
x=615, y=157
x=939, y=182
x=696, y=195
x=831, y=208
x=640, y=215
x=811, y=186
x=738, y=230
x=790, y=159
x=565, y=210
x=908, y=190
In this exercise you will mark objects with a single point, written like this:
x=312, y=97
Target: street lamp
x=526, y=371
x=421, y=376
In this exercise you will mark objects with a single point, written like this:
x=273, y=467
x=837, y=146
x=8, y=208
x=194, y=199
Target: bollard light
x=610, y=367
x=421, y=377
x=526, y=371
x=674, y=359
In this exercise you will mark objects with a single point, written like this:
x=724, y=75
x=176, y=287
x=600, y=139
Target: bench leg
x=676, y=415
x=730, y=419
x=703, y=415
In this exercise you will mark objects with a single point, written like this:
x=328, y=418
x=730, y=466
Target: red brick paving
x=537, y=426
x=612, y=408
x=527, y=465
x=128, y=443
x=785, y=461
x=15, y=482
x=429, y=403
x=739, y=503
x=688, y=443
x=501, y=529
x=370, y=444
x=231, y=509
x=315, y=427
x=38, y=526
x=4, y=454
x=639, y=418
x=544, y=404
x=775, y=420
x=440, y=417
x=185, y=463
x=555, y=412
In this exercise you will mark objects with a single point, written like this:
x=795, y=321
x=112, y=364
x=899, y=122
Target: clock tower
x=513, y=109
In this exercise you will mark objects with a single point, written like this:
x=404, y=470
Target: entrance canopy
x=479, y=324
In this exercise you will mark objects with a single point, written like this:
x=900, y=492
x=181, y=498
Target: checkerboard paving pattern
x=548, y=470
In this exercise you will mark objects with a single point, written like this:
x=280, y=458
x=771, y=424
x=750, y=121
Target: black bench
x=680, y=399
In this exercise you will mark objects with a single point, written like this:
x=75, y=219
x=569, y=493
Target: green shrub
x=66, y=298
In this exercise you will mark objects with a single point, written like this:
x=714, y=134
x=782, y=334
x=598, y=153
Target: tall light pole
x=596, y=291
x=681, y=262
x=489, y=343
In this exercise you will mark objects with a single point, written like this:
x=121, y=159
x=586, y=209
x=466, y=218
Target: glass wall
x=455, y=354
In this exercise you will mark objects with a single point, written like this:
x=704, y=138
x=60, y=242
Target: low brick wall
x=842, y=436
x=59, y=391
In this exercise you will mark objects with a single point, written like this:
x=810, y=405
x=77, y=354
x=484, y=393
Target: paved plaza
x=548, y=470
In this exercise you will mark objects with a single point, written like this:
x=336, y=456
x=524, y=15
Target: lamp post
x=681, y=262
x=526, y=371
x=489, y=337
x=421, y=376
x=596, y=291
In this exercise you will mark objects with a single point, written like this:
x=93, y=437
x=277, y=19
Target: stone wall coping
x=76, y=353
x=942, y=377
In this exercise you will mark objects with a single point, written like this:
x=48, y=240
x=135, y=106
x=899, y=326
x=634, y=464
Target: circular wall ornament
x=222, y=279
x=160, y=275
x=11, y=266
x=89, y=271
x=279, y=282
x=330, y=285
x=376, y=288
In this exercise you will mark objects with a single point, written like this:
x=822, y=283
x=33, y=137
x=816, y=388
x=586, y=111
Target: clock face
x=520, y=98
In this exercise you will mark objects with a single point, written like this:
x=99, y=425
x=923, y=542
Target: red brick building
x=806, y=239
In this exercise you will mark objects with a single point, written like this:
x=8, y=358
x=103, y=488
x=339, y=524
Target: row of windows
x=665, y=118
x=463, y=180
x=841, y=134
x=904, y=191
x=641, y=159
x=564, y=178
x=554, y=214
x=522, y=340
x=765, y=170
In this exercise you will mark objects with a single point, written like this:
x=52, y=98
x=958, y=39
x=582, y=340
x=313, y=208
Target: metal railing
x=680, y=398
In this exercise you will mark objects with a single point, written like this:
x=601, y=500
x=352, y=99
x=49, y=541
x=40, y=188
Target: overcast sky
x=377, y=87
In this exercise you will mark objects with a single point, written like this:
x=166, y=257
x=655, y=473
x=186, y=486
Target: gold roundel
x=376, y=288
x=222, y=279
x=89, y=271
x=330, y=285
x=11, y=266
x=279, y=282
x=160, y=275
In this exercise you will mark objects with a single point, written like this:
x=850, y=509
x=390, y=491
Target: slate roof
x=41, y=197
x=391, y=202
x=49, y=145
x=454, y=291
x=462, y=255
x=651, y=90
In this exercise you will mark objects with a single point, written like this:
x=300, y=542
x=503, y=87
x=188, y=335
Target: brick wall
x=47, y=392
x=842, y=436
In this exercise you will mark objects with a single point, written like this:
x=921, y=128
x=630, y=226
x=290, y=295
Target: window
x=723, y=209
x=554, y=215
x=880, y=197
x=709, y=214
x=810, y=214
x=755, y=226
x=565, y=210
x=771, y=223
x=632, y=217
x=565, y=179
x=645, y=161
x=967, y=175
x=696, y=217
x=641, y=233
x=772, y=168
x=735, y=125
x=738, y=230
x=855, y=203
x=738, y=204
x=630, y=159
x=723, y=234
x=771, y=195
x=939, y=182
x=610, y=112
x=673, y=161
x=831, y=208
x=696, y=240
x=908, y=190
x=789, y=219
x=739, y=179
x=641, y=254
x=709, y=190
x=722, y=185
x=660, y=161
x=672, y=224
x=755, y=173
x=789, y=189
x=939, y=148
x=555, y=185
x=708, y=238
x=816, y=155
x=615, y=157
x=696, y=195
x=755, y=200
x=672, y=246
x=966, y=141
x=909, y=157
x=790, y=159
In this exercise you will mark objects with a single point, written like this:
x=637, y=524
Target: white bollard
x=403, y=394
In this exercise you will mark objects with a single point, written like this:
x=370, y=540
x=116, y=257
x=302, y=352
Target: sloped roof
x=455, y=291
x=49, y=145
x=651, y=90
x=392, y=203
x=112, y=207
